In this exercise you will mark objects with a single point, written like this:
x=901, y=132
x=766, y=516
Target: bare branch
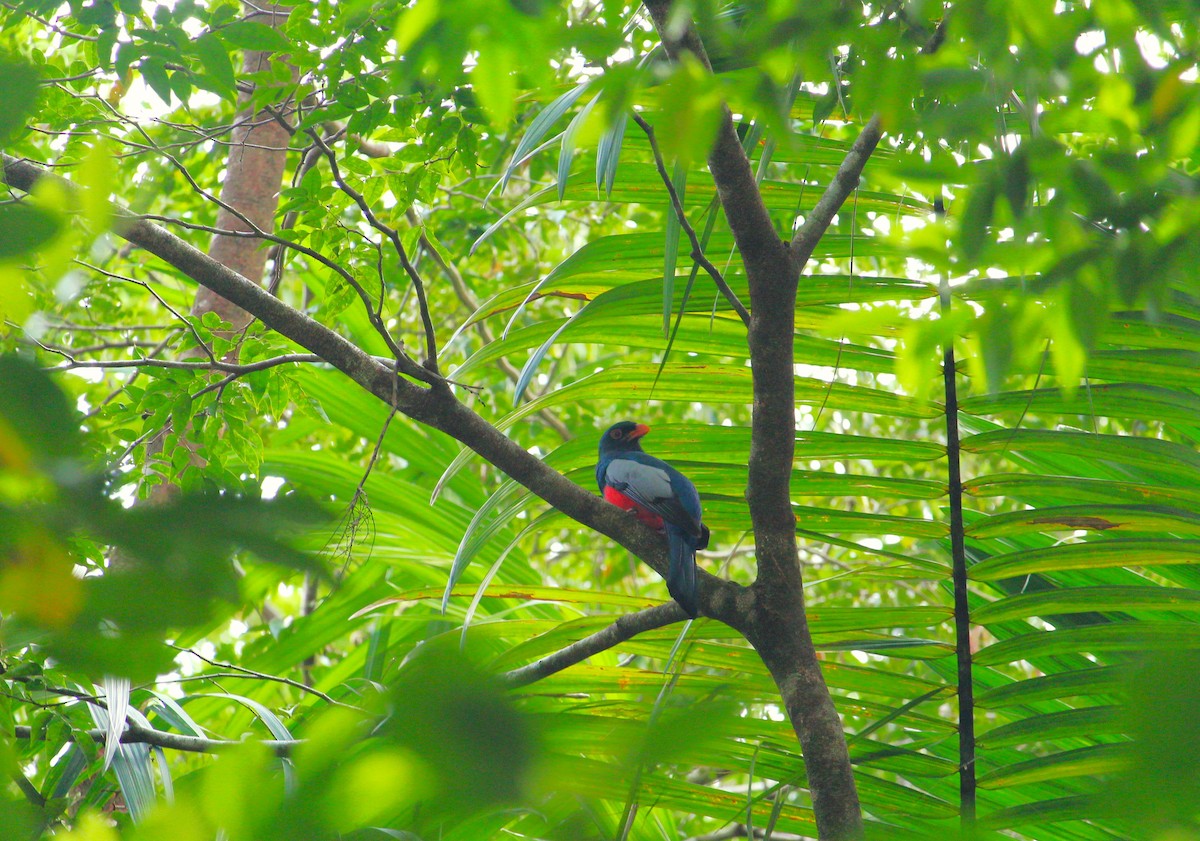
x=394, y=238
x=844, y=182
x=697, y=250
x=625, y=627
x=435, y=406
x=250, y=673
x=216, y=365
x=66, y=33
x=136, y=734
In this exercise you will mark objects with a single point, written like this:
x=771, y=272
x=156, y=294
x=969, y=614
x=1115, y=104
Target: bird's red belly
x=621, y=501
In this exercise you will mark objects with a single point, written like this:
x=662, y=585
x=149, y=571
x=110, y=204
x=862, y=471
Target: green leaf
x=26, y=227
x=20, y=97
x=494, y=80
x=1082, y=762
x=1088, y=599
x=215, y=60
x=608, y=155
x=37, y=424
x=566, y=153
x=414, y=22
x=155, y=75
x=538, y=128
x=1095, y=554
x=1095, y=518
x=252, y=35
x=1120, y=636
x=1064, y=725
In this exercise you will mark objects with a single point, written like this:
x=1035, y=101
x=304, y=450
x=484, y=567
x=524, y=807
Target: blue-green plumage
x=661, y=497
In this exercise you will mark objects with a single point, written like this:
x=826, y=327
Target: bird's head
x=623, y=437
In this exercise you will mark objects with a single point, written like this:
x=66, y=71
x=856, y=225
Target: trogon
x=661, y=497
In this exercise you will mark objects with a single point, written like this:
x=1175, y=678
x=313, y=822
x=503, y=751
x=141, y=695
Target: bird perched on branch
x=661, y=497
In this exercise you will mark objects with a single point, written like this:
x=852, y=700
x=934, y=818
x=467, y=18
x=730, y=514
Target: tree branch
x=135, y=734
x=243, y=672
x=217, y=365
x=844, y=182
x=776, y=624
x=435, y=406
x=761, y=247
x=697, y=251
x=625, y=627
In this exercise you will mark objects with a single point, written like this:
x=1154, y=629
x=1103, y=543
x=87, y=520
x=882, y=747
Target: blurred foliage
x=173, y=567
x=1062, y=139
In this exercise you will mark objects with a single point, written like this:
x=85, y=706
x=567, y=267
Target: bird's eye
x=616, y=433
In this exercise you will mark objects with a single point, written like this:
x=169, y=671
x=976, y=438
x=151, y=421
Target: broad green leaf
x=21, y=95
x=1093, y=518
x=1099, y=681
x=1082, y=762
x=26, y=228
x=1094, y=554
x=1087, y=722
x=1120, y=636
x=1088, y=599
x=252, y=35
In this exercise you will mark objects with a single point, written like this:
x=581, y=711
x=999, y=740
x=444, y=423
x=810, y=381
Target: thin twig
x=263, y=676
x=66, y=33
x=394, y=238
x=697, y=250
x=162, y=302
x=215, y=365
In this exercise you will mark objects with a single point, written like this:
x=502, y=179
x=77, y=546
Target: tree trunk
x=776, y=624
x=253, y=175
x=258, y=147
x=778, y=630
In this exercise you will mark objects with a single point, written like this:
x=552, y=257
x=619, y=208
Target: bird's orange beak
x=639, y=430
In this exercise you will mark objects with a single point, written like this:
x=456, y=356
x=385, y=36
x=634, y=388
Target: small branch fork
x=697, y=250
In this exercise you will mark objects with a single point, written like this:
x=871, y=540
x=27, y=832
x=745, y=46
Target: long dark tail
x=681, y=573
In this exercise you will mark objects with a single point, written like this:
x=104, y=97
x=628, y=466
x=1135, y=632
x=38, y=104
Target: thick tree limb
x=435, y=406
x=843, y=184
x=624, y=628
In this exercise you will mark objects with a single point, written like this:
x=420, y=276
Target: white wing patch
x=648, y=482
